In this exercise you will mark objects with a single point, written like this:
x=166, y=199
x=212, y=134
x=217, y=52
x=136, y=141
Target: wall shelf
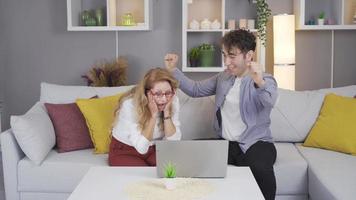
x=339, y=12
x=212, y=10
x=114, y=11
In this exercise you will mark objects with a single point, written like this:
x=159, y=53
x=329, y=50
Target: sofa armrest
x=11, y=155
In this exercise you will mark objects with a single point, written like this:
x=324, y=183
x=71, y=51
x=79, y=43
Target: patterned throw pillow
x=70, y=127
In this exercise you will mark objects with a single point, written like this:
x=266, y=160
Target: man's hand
x=256, y=73
x=170, y=61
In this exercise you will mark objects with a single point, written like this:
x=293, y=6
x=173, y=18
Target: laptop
x=193, y=158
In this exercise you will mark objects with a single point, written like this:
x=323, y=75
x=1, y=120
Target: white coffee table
x=108, y=183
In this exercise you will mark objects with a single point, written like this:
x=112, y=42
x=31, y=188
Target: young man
x=244, y=98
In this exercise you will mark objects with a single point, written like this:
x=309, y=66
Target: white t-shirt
x=232, y=124
x=127, y=130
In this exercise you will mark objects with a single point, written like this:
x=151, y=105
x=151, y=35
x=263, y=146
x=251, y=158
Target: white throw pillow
x=60, y=94
x=34, y=133
x=294, y=114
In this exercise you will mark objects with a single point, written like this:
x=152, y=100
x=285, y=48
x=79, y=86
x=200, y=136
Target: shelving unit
x=114, y=11
x=210, y=9
x=339, y=12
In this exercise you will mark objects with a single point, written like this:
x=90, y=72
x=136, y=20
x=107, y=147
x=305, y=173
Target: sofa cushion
x=332, y=174
x=70, y=128
x=290, y=170
x=99, y=115
x=110, y=91
x=34, y=133
x=59, y=172
x=347, y=91
x=294, y=114
x=335, y=128
x=56, y=94
x=196, y=117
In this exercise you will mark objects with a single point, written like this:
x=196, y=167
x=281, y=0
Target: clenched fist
x=256, y=73
x=170, y=61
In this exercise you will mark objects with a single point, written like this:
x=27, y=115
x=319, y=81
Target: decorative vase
x=84, y=16
x=206, y=58
x=231, y=24
x=251, y=24
x=320, y=21
x=90, y=22
x=243, y=23
x=205, y=24
x=194, y=24
x=170, y=183
x=128, y=20
x=215, y=25
x=99, y=16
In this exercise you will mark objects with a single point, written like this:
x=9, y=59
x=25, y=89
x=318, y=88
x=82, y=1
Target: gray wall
x=39, y=48
x=2, y=59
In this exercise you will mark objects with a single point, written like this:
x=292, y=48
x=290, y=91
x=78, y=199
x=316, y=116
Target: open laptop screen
x=193, y=158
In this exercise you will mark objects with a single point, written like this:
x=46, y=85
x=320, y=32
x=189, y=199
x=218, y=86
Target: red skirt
x=121, y=154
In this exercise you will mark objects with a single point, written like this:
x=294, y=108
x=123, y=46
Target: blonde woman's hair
x=138, y=94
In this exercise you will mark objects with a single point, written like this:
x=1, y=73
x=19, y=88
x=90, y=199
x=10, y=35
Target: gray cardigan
x=255, y=103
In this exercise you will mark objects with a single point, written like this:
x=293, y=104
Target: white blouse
x=127, y=130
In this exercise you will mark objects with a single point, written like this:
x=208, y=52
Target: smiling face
x=236, y=62
x=162, y=92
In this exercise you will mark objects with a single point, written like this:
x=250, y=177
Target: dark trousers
x=260, y=157
x=121, y=154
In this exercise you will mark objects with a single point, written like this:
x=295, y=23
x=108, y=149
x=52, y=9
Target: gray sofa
x=301, y=172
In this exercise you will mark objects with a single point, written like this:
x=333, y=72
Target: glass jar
x=127, y=20
x=99, y=16
x=84, y=16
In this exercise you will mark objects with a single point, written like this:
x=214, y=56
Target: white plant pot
x=170, y=183
x=320, y=21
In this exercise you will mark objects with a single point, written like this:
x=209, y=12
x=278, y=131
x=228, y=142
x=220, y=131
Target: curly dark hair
x=241, y=39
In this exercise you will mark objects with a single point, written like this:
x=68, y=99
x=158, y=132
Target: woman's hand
x=152, y=105
x=167, y=109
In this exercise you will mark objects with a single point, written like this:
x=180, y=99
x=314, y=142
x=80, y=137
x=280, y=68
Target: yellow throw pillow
x=335, y=128
x=99, y=115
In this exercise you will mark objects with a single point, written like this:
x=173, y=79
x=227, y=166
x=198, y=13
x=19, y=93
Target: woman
x=146, y=113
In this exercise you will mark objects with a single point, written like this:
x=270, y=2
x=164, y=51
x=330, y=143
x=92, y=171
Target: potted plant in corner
x=107, y=73
x=169, y=175
x=206, y=52
x=194, y=57
x=321, y=18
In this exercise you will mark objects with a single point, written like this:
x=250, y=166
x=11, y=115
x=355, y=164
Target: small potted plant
x=194, y=57
x=321, y=18
x=206, y=52
x=169, y=175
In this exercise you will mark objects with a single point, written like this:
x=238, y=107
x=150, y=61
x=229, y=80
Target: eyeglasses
x=160, y=95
